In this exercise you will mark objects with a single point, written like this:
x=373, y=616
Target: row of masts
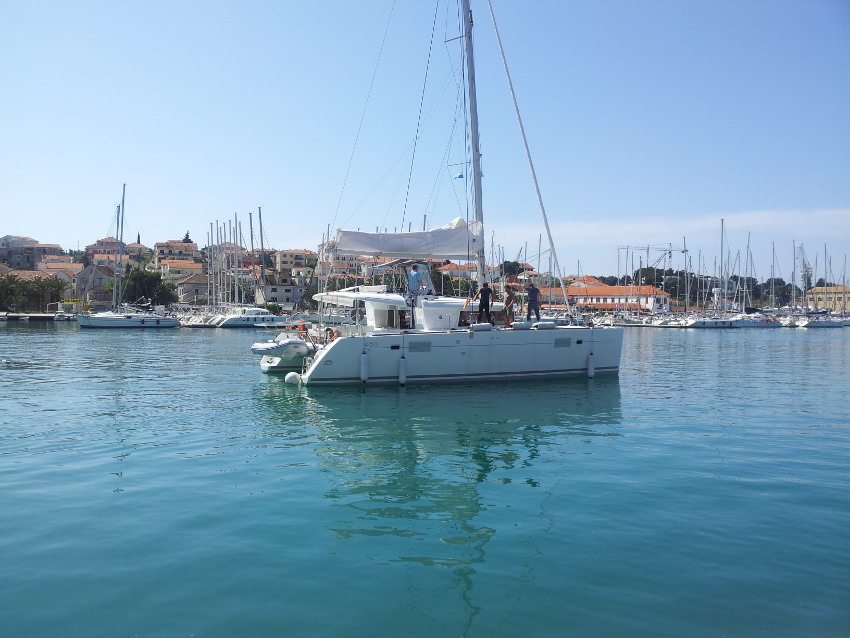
x=226, y=262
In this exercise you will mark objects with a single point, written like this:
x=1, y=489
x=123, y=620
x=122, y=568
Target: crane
x=805, y=269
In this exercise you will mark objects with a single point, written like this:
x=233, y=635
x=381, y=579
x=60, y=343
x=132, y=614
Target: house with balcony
x=175, y=269
x=175, y=250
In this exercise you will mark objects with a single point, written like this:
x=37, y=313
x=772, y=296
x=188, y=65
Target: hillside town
x=230, y=273
x=44, y=277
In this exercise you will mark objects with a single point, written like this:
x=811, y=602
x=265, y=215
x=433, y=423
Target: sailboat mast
x=262, y=257
x=119, y=232
x=793, y=275
x=115, y=261
x=722, y=274
x=473, y=133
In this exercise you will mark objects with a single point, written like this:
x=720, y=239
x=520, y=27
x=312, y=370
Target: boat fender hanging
x=591, y=368
x=157, y=322
x=143, y=322
x=292, y=378
x=364, y=367
x=402, y=370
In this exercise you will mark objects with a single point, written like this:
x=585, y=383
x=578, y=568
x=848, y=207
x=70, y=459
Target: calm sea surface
x=158, y=484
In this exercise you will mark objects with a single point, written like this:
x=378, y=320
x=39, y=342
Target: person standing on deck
x=414, y=280
x=510, y=298
x=414, y=288
x=533, y=301
x=484, y=293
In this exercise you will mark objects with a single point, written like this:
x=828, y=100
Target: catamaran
x=413, y=336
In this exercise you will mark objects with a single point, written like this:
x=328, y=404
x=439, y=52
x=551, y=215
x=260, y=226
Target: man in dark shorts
x=483, y=295
x=533, y=301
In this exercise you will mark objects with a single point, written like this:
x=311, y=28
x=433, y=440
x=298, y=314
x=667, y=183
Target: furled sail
x=456, y=240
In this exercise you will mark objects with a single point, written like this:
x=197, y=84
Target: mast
x=722, y=277
x=238, y=293
x=473, y=133
x=119, y=232
x=793, y=275
x=772, y=276
x=262, y=257
x=687, y=277
x=116, y=259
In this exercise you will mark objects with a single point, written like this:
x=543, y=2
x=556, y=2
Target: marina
x=160, y=484
x=379, y=415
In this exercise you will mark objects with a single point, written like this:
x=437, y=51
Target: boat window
x=419, y=346
x=564, y=343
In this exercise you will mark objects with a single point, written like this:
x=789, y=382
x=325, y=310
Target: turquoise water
x=158, y=484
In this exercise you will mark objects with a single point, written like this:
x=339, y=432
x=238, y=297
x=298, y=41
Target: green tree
x=49, y=290
x=10, y=289
x=511, y=268
x=142, y=285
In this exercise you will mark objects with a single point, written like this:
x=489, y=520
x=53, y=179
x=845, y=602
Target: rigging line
x=402, y=156
x=528, y=155
x=363, y=114
x=435, y=188
x=419, y=117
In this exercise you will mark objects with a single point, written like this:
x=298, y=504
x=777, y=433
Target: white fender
x=591, y=370
x=364, y=367
x=402, y=370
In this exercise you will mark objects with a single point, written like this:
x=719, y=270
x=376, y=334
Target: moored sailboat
x=123, y=315
x=412, y=335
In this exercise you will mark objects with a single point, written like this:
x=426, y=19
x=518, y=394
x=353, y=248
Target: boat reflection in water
x=436, y=477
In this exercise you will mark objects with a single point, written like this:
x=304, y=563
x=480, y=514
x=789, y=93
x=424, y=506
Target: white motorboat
x=822, y=322
x=756, y=320
x=710, y=322
x=243, y=317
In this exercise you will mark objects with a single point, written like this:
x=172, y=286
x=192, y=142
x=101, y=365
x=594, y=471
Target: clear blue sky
x=649, y=121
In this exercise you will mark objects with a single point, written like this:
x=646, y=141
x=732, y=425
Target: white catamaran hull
x=467, y=355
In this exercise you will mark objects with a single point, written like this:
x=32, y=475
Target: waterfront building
x=833, y=298
x=289, y=259
x=176, y=269
x=594, y=295
x=193, y=289
x=175, y=249
x=91, y=286
x=103, y=251
x=26, y=256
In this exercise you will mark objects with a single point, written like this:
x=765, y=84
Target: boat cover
x=350, y=298
x=456, y=240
